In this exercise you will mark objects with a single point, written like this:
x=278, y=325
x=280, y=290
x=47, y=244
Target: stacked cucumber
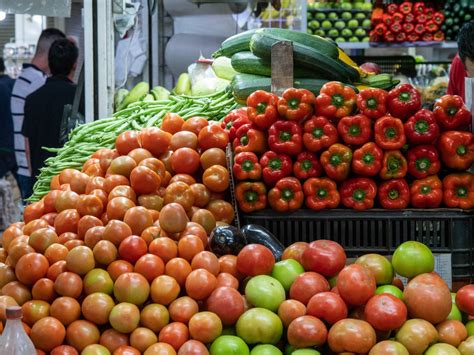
x=316, y=60
x=457, y=13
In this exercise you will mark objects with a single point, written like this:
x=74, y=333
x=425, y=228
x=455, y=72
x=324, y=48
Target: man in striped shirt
x=32, y=77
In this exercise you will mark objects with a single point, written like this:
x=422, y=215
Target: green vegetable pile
x=86, y=139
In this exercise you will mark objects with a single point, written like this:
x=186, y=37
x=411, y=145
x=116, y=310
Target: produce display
x=456, y=14
x=407, y=22
x=359, y=151
x=343, y=22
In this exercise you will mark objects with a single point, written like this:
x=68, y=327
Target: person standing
x=32, y=77
x=7, y=155
x=44, y=108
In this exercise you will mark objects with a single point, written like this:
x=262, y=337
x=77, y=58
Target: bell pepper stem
x=322, y=193
x=371, y=103
x=393, y=194
x=461, y=150
x=425, y=189
x=337, y=100
x=317, y=132
x=368, y=159
x=354, y=130
x=275, y=164
x=461, y=191
x=287, y=194
x=251, y=196
x=247, y=165
x=285, y=136
x=421, y=126
x=422, y=164
x=306, y=165
x=358, y=195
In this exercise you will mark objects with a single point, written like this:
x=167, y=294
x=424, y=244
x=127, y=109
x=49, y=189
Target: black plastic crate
x=379, y=231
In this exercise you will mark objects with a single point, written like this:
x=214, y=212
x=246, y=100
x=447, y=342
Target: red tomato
x=156, y=165
x=127, y=141
x=144, y=180
x=351, y=335
x=385, y=312
x=465, y=299
x=205, y=327
x=306, y=331
x=227, y=303
x=295, y=251
x=289, y=310
x=90, y=205
x=138, y=218
x=31, y=267
x=123, y=191
x=172, y=123
x=155, y=140
x=164, y=247
x=200, y=283
x=164, y=290
x=185, y=160
x=325, y=257
x=179, y=269
x=356, y=284
x=255, y=259
x=119, y=267
x=213, y=156
x=195, y=124
x=132, y=248
x=206, y=260
x=451, y=332
x=184, y=139
x=117, y=207
x=86, y=223
x=227, y=280
x=114, y=180
x=116, y=231
x=47, y=333
x=327, y=306
x=213, y=136
x=175, y=334
x=67, y=221
x=306, y=285
x=139, y=154
x=189, y=246
x=193, y=347
x=182, y=309
x=150, y=266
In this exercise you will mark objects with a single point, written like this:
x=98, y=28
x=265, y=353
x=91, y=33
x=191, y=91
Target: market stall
x=280, y=199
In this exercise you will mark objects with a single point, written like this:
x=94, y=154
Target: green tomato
x=259, y=325
x=393, y=290
x=455, y=313
x=412, y=258
x=229, y=345
x=305, y=352
x=95, y=349
x=442, y=349
x=379, y=266
x=266, y=349
x=98, y=280
x=286, y=271
x=265, y=292
x=470, y=328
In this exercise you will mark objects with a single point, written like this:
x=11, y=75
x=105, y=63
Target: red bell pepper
x=409, y=18
x=438, y=36
x=355, y=130
x=372, y=103
x=336, y=161
x=307, y=165
x=394, y=194
x=374, y=37
x=296, y=104
x=389, y=36
x=262, y=108
x=377, y=16
x=392, y=8
x=427, y=37
x=421, y=19
x=419, y=29
x=358, y=193
x=419, y=8
x=319, y=134
x=394, y=165
x=457, y=149
x=321, y=193
x=431, y=26
x=427, y=192
x=413, y=37
x=285, y=137
x=287, y=195
x=247, y=167
x=367, y=160
x=458, y=191
x=438, y=18
x=251, y=196
x=408, y=28
x=397, y=17
x=380, y=29
x=396, y=27
x=450, y=113
x=335, y=100
x=429, y=12
x=403, y=101
x=249, y=139
x=234, y=120
x=421, y=128
x=389, y=133
x=275, y=167
x=401, y=37
x=405, y=7
x=423, y=161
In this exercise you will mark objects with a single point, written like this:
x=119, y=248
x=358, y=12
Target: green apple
x=353, y=24
x=266, y=349
x=361, y=33
x=360, y=16
x=309, y=31
x=309, y=16
x=366, y=6
x=320, y=16
x=314, y=24
x=353, y=39
x=359, y=6
x=332, y=16
x=470, y=328
x=265, y=292
x=333, y=33
x=320, y=33
x=366, y=39
x=229, y=345
x=286, y=271
x=346, y=6
x=340, y=39
x=259, y=326
x=393, y=290
x=340, y=25
x=346, y=15
x=346, y=32
x=326, y=24
x=366, y=23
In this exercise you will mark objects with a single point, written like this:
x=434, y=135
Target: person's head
x=46, y=38
x=466, y=47
x=2, y=66
x=62, y=57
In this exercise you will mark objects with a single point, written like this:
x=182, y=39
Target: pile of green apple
x=343, y=22
x=314, y=301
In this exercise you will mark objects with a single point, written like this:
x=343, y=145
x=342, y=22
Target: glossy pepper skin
x=372, y=103
x=423, y=161
x=319, y=134
x=421, y=128
x=275, y=167
x=262, y=108
x=427, y=192
x=419, y=8
x=234, y=120
x=285, y=137
x=251, y=196
x=403, y=101
x=394, y=194
x=457, y=149
x=367, y=160
x=307, y=165
x=394, y=165
x=358, y=193
x=438, y=18
x=405, y=7
x=355, y=130
x=336, y=161
x=246, y=166
x=450, y=113
x=458, y=191
x=389, y=133
x=287, y=195
x=321, y=193
x=296, y=104
x=335, y=100
x=249, y=139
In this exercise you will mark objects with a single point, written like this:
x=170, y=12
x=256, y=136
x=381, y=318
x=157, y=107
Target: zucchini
x=234, y=44
x=261, y=45
x=248, y=63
